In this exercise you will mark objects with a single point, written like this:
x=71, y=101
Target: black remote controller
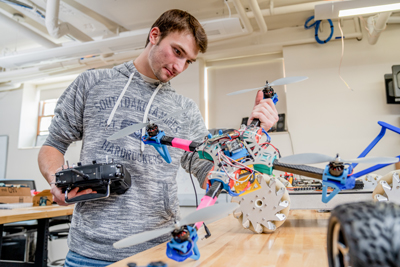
x=104, y=178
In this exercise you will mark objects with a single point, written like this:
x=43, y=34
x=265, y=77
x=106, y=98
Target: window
x=46, y=114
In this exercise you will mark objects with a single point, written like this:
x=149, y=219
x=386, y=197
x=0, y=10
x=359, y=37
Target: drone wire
x=277, y=150
x=341, y=58
x=190, y=172
x=229, y=8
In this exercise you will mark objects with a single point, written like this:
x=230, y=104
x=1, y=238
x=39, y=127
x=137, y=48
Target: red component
x=259, y=133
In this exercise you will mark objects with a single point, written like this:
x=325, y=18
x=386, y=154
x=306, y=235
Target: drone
x=244, y=160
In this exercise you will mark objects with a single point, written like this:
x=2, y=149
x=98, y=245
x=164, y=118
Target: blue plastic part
x=209, y=135
x=155, y=141
x=338, y=183
x=220, y=132
x=187, y=249
x=373, y=144
x=268, y=137
x=275, y=98
x=316, y=24
x=240, y=154
x=226, y=187
x=157, y=265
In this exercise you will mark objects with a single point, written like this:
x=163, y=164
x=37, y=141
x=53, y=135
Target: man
x=98, y=104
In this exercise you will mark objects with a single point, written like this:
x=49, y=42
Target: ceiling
x=128, y=15
x=119, y=28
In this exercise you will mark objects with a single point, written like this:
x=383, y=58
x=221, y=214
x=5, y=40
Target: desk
x=42, y=214
x=300, y=241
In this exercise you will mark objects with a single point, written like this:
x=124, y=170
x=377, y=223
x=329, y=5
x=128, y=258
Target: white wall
x=233, y=75
x=324, y=116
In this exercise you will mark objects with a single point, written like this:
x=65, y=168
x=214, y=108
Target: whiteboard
x=3, y=155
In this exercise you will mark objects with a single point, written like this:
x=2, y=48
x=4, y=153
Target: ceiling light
x=336, y=9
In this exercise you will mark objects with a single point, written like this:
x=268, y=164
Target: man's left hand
x=265, y=111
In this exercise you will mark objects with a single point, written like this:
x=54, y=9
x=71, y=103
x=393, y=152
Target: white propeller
x=311, y=158
x=135, y=127
x=204, y=214
x=282, y=81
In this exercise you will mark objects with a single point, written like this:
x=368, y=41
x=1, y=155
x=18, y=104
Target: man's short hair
x=176, y=20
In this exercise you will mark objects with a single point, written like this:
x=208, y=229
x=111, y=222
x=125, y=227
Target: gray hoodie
x=151, y=202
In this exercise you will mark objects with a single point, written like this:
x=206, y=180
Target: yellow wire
x=341, y=58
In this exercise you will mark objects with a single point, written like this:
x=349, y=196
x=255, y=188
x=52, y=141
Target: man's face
x=172, y=55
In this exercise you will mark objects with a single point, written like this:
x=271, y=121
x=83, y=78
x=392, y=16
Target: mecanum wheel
x=388, y=188
x=364, y=234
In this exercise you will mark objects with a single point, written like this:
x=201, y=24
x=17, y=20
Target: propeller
x=282, y=81
x=204, y=214
x=135, y=127
x=311, y=158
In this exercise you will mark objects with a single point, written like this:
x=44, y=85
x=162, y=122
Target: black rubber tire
x=369, y=230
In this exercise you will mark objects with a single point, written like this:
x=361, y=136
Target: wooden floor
x=300, y=241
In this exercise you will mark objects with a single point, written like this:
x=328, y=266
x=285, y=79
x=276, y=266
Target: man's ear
x=154, y=35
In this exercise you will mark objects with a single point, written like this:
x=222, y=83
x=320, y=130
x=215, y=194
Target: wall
x=324, y=116
x=231, y=75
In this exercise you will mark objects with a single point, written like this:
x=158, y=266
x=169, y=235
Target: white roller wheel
x=388, y=188
x=264, y=209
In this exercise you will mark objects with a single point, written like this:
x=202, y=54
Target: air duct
x=58, y=30
x=258, y=15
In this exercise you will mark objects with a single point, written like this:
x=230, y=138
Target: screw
x=256, y=195
x=263, y=197
x=274, y=207
x=263, y=219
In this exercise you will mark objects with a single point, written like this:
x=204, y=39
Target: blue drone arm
x=372, y=145
x=180, y=251
x=155, y=141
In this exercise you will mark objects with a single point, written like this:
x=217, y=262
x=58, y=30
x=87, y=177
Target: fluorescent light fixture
x=336, y=9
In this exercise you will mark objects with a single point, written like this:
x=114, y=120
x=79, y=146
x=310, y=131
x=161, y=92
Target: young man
x=98, y=104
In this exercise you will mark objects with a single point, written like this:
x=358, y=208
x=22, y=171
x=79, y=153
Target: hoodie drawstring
x=119, y=100
x=146, y=113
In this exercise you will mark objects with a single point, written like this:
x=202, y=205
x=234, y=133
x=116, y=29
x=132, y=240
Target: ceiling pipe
x=258, y=15
x=376, y=24
x=10, y=86
x=243, y=16
x=394, y=20
x=285, y=9
x=58, y=30
x=26, y=31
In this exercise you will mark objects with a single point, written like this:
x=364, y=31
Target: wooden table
x=42, y=214
x=300, y=241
